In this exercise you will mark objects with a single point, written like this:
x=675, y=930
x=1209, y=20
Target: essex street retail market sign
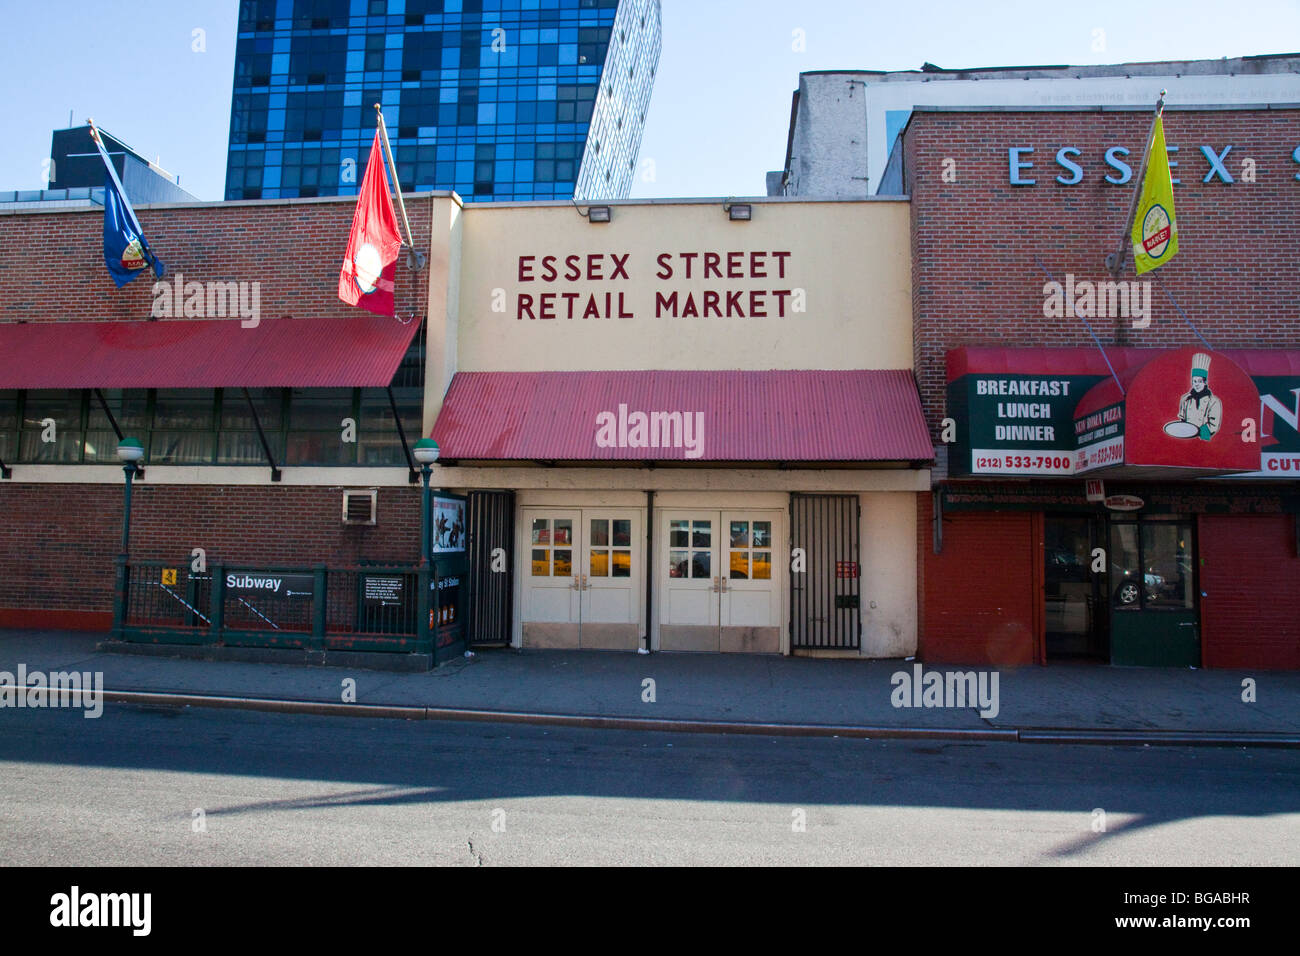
x=668, y=285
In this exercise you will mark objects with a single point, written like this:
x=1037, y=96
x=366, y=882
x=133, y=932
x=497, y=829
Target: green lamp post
x=129, y=452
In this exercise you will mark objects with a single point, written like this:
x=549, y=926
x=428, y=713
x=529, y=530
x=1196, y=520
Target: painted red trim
x=41, y=619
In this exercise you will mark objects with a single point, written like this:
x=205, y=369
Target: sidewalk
x=712, y=688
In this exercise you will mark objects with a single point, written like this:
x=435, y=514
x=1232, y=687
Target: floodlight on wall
x=599, y=214
x=738, y=211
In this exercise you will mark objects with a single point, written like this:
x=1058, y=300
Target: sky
x=157, y=73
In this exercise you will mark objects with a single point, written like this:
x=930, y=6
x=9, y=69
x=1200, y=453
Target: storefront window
x=684, y=538
x=607, y=561
x=746, y=563
x=206, y=426
x=238, y=442
x=317, y=427
x=130, y=408
x=1125, y=568
x=1151, y=565
x=552, y=542
x=1167, y=552
x=8, y=424
x=52, y=426
x=183, y=427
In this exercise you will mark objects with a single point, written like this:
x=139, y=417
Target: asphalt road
x=197, y=786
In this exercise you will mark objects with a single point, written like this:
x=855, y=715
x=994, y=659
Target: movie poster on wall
x=448, y=525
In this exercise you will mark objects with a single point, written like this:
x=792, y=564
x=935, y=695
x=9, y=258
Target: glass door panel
x=1154, y=617
x=1071, y=589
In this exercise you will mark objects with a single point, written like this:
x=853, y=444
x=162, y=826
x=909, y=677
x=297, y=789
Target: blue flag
x=126, y=251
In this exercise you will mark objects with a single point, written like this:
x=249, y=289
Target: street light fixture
x=129, y=452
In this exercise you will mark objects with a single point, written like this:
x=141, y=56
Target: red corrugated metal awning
x=861, y=415
x=362, y=350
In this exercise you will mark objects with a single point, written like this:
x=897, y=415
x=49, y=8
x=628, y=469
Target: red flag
x=369, y=264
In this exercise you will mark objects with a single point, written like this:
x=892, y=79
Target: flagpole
x=94, y=135
x=1115, y=261
x=397, y=187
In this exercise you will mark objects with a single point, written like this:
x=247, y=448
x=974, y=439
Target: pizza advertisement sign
x=1191, y=409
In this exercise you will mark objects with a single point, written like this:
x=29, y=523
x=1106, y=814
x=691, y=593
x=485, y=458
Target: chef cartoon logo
x=1200, y=411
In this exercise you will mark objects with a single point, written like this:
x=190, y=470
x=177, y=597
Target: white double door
x=582, y=567
x=720, y=569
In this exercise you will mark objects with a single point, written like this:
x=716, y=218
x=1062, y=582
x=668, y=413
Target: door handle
x=585, y=585
x=717, y=584
x=725, y=588
x=577, y=583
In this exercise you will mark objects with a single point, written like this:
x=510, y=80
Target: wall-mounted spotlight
x=738, y=211
x=595, y=213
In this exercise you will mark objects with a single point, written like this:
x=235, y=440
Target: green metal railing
x=358, y=608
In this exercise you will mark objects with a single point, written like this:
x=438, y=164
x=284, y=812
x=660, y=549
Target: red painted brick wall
x=978, y=595
x=294, y=251
x=1250, y=574
x=58, y=546
x=975, y=281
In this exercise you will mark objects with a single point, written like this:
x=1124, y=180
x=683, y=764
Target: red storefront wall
x=981, y=598
x=1250, y=579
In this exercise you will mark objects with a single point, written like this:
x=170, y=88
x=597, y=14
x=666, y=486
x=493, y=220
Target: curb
x=1165, y=738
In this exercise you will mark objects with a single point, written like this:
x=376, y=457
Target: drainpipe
x=650, y=564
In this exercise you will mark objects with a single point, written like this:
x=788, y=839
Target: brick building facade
x=1004, y=201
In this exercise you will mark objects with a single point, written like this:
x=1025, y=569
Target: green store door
x=1153, y=609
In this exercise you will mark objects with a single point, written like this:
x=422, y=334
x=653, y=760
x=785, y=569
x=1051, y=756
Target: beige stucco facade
x=831, y=279
x=802, y=285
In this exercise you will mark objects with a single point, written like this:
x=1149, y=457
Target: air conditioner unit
x=361, y=506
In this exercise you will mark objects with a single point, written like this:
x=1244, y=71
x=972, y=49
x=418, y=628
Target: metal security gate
x=491, y=575
x=825, y=595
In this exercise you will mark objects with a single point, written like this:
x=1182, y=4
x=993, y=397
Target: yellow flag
x=1155, y=231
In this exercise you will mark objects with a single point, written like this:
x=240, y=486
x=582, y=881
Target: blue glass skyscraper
x=496, y=99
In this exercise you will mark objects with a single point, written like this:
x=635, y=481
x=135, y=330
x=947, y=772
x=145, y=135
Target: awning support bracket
x=103, y=403
x=5, y=471
x=413, y=475
x=266, y=446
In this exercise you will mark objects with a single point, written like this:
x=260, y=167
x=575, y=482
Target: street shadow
x=394, y=763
